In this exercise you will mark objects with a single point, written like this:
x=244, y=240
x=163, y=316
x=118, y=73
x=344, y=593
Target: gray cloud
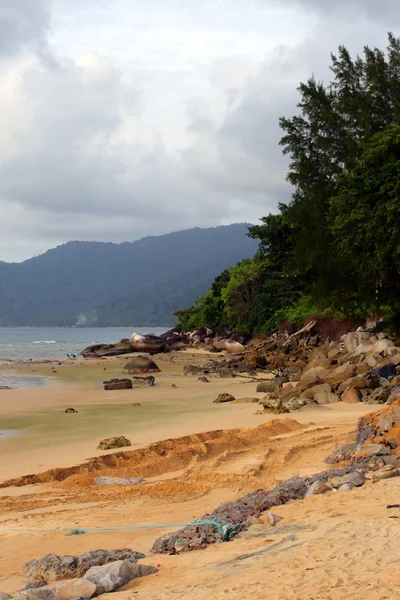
x=24, y=25
x=88, y=149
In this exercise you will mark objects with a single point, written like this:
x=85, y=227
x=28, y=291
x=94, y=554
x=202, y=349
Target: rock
x=34, y=584
x=53, y=567
x=118, y=384
x=273, y=405
x=393, y=443
x=103, y=557
x=143, y=570
x=251, y=521
x=103, y=350
x=394, y=395
x=192, y=370
x=267, y=387
x=70, y=411
x=143, y=381
x=355, y=479
x=314, y=376
x=203, y=379
x=371, y=450
x=346, y=487
x=351, y=396
x=44, y=593
x=309, y=393
x=326, y=398
x=173, y=386
x=358, y=382
x=353, y=340
x=74, y=588
x=110, y=577
x=321, y=361
x=377, y=396
x=387, y=371
x=5, y=387
x=273, y=519
x=50, y=567
x=336, y=376
x=246, y=401
x=318, y=487
x=141, y=364
x=4, y=596
x=224, y=373
x=224, y=398
x=118, y=480
x=294, y=404
x=114, y=442
x=362, y=368
x=147, y=343
x=380, y=348
x=234, y=347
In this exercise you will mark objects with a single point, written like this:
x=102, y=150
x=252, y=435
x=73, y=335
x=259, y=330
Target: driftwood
x=305, y=329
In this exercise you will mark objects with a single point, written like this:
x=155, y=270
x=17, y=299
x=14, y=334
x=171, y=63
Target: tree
x=365, y=219
x=323, y=142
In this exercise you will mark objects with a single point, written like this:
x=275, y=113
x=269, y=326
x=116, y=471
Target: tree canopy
x=334, y=244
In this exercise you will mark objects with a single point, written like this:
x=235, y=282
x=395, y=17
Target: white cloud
x=123, y=118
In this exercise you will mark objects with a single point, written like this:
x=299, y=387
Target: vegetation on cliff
x=334, y=246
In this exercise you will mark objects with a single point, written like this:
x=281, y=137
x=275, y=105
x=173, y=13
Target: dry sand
x=341, y=545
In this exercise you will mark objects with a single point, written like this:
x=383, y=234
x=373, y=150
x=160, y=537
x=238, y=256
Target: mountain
x=133, y=283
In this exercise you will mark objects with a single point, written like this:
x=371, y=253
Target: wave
x=45, y=342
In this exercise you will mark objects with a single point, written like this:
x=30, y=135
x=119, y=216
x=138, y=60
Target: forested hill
x=106, y=284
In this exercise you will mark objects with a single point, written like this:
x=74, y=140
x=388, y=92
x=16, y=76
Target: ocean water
x=40, y=343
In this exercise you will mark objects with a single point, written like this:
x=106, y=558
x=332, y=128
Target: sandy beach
x=327, y=547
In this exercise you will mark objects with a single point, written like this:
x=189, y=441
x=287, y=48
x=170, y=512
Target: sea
x=55, y=343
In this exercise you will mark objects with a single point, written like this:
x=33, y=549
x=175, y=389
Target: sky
x=126, y=118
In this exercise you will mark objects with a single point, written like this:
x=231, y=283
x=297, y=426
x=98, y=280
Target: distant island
x=137, y=283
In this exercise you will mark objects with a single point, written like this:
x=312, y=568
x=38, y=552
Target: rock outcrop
x=114, y=442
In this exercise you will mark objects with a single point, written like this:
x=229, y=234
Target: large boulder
x=104, y=350
x=267, y=387
x=111, y=577
x=149, y=342
x=141, y=364
x=314, y=376
x=326, y=398
x=234, y=347
x=273, y=405
x=117, y=384
x=114, y=442
x=193, y=370
x=73, y=588
x=336, y=376
x=351, y=396
x=354, y=340
x=294, y=404
x=310, y=393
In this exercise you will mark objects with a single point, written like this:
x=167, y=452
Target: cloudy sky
x=126, y=118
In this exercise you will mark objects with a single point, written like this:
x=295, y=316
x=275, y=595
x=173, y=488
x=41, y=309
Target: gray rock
x=117, y=480
x=318, y=487
x=43, y=593
x=74, y=588
x=193, y=370
x=4, y=596
x=111, y=577
x=346, y=487
x=52, y=567
x=355, y=478
x=273, y=519
x=143, y=570
x=203, y=379
x=34, y=584
x=294, y=403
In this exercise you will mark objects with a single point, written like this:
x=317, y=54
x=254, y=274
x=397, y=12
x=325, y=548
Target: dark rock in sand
x=71, y=411
x=143, y=381
x=118, y=384
x=141, y=364
x=114, y=442
x=221, y=398
x=192, y=370
x=4, y=387
x=203, y=380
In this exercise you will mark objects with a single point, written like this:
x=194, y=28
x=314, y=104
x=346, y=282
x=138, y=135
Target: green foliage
x=335, y=245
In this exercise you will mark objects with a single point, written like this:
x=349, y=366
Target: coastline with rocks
x=258, y=445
